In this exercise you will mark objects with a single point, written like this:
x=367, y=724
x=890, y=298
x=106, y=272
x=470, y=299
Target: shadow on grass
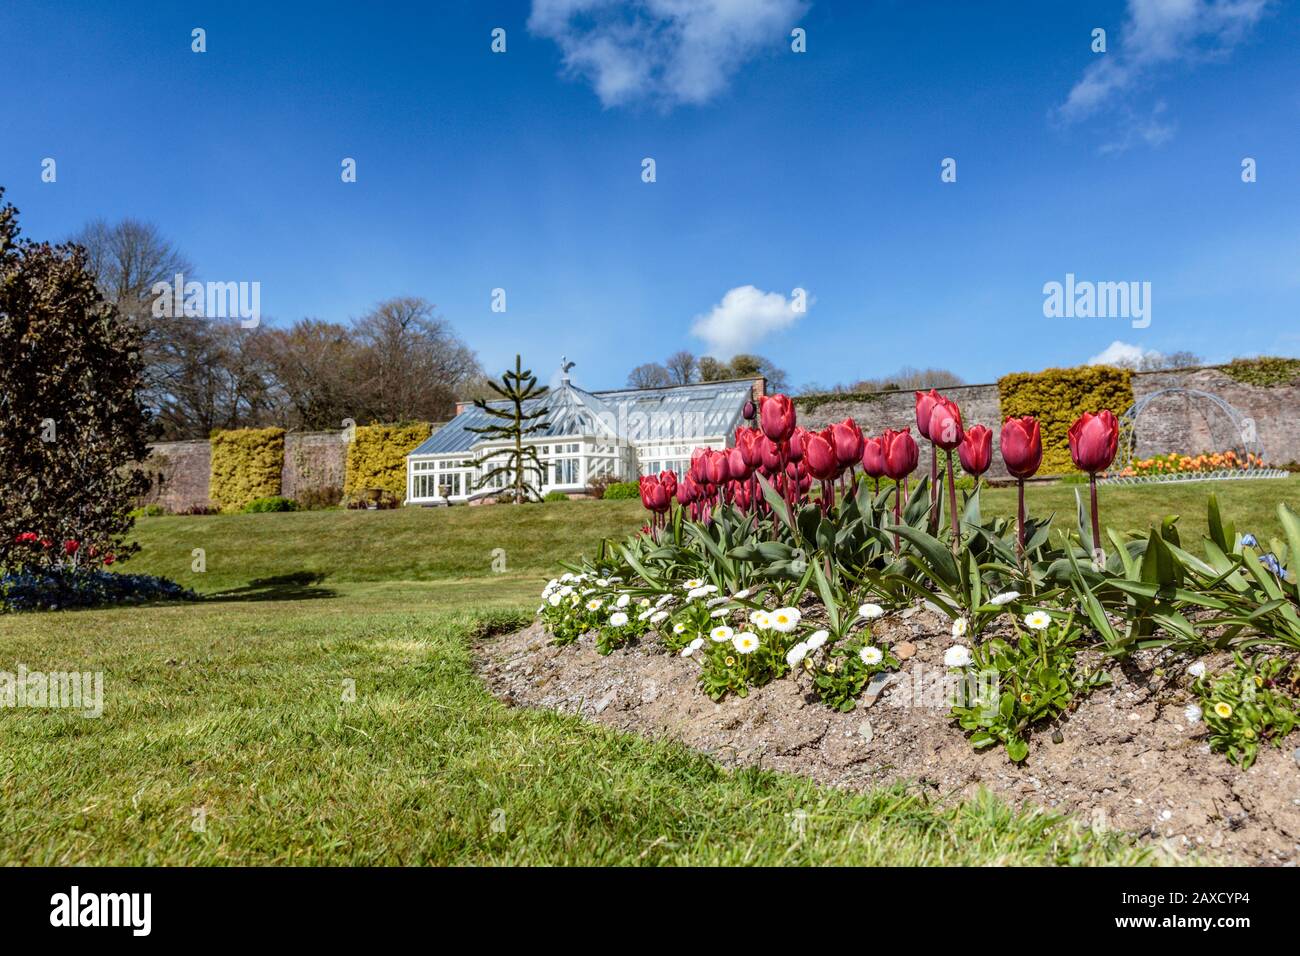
x=299, y=586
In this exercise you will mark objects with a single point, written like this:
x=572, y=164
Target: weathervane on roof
x=565, y=365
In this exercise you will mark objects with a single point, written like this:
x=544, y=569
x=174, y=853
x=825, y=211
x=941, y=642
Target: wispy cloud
x=662, y=52
x=1157, y=36
x=744, y=317
x=1126, y=355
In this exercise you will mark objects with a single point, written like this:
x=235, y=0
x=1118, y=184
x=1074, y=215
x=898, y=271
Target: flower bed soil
x=1127, y=757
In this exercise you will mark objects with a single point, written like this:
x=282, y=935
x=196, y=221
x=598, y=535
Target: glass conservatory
x=588, y=437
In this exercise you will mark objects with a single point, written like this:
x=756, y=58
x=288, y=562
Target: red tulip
x=945, y=428
x=900, y=453
x=771, y=454
x=687, y=491
x=976, y=450
x=109, y=559
x=798, y=439
x=776, y=415
x=819, y=456
x=748, y=412
x=742, y=498
x=653, y=494
x=669, y=480
x=925, y=402
x=1022, y=446
x=1093, y=441
x=873, y=457
x=748, y=440
x=847, y=439
x=696, y=470
x=737, y=467
x=70, y=547
x=715, y=467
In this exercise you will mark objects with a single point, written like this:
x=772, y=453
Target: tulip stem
x=1096, y=526
x=1020, y=520
x=952, y=507
x=934, y=488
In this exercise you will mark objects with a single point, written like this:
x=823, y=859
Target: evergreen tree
x=517, y=460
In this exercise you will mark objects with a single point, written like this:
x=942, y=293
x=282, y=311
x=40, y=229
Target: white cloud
x=1157, y=35
x=1126, y=355
x=668, y=52
x=742, y=319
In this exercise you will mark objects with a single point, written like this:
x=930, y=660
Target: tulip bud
x=945, y=424
x=976, y=450
x=900, y=452
x=776, y=415
x=819, y=456
x=798, y=439
x=873, y=457
x=1094, y=440
x=846, y=437
x=925, y=402
x=1022, y=446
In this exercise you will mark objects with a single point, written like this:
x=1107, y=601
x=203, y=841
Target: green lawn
x=234, y=707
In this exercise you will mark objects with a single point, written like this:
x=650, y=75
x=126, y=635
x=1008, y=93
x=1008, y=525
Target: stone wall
x=181, y=470
x=1170, y=423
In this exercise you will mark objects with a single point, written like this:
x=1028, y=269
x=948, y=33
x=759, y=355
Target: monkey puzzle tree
x=72, y=424
x=512, y=424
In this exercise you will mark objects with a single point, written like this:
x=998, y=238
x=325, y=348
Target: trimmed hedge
x=377, y=457
x=622, y=490
x=247, y=463
x=1057, y=396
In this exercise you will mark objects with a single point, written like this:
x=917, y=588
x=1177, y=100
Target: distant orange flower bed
x=1176, y=464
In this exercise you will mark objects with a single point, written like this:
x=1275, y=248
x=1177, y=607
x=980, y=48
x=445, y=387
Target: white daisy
x=785, y=619
x=701, y=591
x=644, y=615
x=741, y=595
x=870, y=611
x=956, y=656
x=618, y=619
x=679, y=628
x=817, y=639
x=795, y=654
x=692, y=584
x=959, y=627
x=722, y=633
x=664, y=599
x=720, y=612
x=745, y=642
x=566, y=576
x=871, y=655
x=602, y=582
x=1192, y=713
x=644, y=602
x=1006, y=597
x=1197, y=669
x=1038, y=620
x=594, y=604
x=760, y=619
x=658, y=616
x=554, y=599
x=566, y=590
x=714, y=602
x=623, y=601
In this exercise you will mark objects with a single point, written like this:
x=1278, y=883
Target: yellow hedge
x=246, y=463
x=377, y=457
x=1057, y=396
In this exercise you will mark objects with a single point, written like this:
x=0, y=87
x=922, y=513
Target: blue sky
x=775, y=169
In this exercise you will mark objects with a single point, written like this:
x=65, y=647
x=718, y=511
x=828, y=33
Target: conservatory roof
x=677, y=413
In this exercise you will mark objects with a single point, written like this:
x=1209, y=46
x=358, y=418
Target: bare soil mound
x=1126, y=759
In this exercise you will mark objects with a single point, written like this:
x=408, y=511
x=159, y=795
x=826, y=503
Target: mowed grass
x=232, y=713
x=284, y=551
